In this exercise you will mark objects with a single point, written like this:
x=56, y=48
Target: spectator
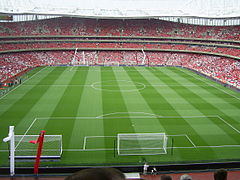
x=185, y=177
x=97, y=174
x=165, y=177
x=220, y=174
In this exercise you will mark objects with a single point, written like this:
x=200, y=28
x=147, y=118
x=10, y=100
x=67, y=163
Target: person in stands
x=186, y=177
x=97, y=174
x=220, y=174
x=165, y=177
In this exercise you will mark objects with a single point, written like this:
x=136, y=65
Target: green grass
x=200, y=117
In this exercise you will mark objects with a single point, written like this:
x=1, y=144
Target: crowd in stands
x=115, y=174
x=224, y=69
x=186, y=47
x=11, y=65
x=117, y=27
x=219, y=174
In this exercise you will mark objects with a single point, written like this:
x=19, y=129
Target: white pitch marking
x=99, y=87
x=152, y=116
x=84, y=142
x=229, y=124
x=26, y=132
x=103, y=115
x=190, y=141
x=71, y=68
x=86, y=137
x=186, y=137
x=91, y=85
x=211, y=85
x=22, y=83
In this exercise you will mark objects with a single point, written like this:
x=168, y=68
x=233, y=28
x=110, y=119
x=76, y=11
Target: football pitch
x=90, y=106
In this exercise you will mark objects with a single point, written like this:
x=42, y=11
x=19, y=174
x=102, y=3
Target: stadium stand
x=224, y=69
x=65, y=34
x=81, y=26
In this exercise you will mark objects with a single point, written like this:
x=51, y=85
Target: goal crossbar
x=111, y=63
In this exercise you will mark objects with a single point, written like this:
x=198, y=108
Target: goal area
x=52, y=146
x=142, y=144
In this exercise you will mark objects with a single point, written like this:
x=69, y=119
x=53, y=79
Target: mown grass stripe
x=160, y=105
x=7, y=100
x=138, y=109
x=171, y=71
x=206, y=90
x=180, y=105
x=90, y=106
x=135, y=103
x=18, y=110
x=91, y=103
x=19, y=113
x=45, y=106
x=225, y=93
x=227, y=101
x=199, y=103
x=68, y=107
x=24, y=79
x=224, y=101
x=112, y=103
x=223, y=96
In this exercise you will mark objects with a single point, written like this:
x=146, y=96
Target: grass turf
x=89, y=106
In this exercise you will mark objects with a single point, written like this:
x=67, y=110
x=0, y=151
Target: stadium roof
x=124, y=8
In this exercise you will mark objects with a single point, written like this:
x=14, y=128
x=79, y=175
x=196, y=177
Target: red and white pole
x=39, y=151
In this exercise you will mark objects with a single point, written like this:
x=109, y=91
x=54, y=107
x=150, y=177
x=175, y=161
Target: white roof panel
x=124, y=8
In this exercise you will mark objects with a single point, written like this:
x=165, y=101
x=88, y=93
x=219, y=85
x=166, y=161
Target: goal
x=142, y=144
x=20, y=146
x=111, y=63
x=52, y=146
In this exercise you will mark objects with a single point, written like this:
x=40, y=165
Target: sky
x=163, y=7
x=132, y=4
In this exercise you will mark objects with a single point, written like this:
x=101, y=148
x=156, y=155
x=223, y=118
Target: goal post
x=142, y=144
x=10, y=139
x=73, y=61
x=52, y=146
x=20, y=146
x=111, y=63
x=144, y=57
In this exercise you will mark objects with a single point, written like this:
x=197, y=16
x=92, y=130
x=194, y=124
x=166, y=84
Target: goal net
x=142, y=144
x=111, y=63
x=52, y=146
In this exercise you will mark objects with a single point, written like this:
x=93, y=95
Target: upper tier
x=117, y=27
